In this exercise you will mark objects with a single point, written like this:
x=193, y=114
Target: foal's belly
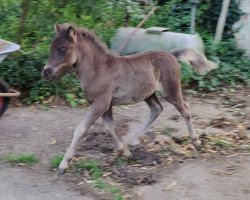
x=132, y=93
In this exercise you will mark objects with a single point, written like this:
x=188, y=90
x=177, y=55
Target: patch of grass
x=100, y=184
x=185, y=142
x=96, y=173
x=168, y=130
x=56, y=160
x=120, y=161
x=25, y=158
x=111, y=189
x=222, y=143
x=44, y=107
x=91, y=165
x=119, y=197
x=245, y=147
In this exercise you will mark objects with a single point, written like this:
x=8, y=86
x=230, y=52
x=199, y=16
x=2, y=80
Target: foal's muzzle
x=48, y=74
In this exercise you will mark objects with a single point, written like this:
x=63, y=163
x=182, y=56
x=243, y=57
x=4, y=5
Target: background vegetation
x=30, y=24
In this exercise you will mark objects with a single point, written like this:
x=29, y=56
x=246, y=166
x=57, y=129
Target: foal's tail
x=197, y=60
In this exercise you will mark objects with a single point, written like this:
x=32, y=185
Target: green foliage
x=30, y=23
x=28, y=159
x=176, y=15
x=234, y=65
x=169, y=130
x=20, y=71
x=222, y=143
x=233, y=68
x=90, y=165
x=56, y=160
x=120, y=161
x=96, y=174
x=114, y=190
x=208, y=14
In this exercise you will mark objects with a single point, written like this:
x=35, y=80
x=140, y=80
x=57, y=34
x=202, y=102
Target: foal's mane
x=90, y=36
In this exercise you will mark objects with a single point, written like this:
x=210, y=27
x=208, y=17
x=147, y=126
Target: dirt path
x=214, y=179
x=47, y=133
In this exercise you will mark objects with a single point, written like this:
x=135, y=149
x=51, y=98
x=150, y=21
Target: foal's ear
x=72, y=33
x=57, y=28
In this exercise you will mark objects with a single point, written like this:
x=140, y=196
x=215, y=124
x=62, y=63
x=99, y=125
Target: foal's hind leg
x=155, y=110
x=172, y=93
x=109, y=127
x=183, y=108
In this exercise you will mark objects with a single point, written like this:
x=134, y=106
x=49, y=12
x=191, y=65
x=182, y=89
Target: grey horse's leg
x=98, y=107
x=155, y=110
x=109, y=127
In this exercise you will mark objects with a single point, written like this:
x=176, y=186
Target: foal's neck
x=92, y=56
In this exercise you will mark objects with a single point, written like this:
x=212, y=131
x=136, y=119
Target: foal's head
x=62, y=53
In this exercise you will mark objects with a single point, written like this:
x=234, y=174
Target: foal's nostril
x=47, y=73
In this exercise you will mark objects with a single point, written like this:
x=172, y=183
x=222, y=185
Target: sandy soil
x=150, y=175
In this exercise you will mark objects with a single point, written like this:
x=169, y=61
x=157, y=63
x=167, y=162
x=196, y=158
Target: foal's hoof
x=129, y=140
x=124, y=152
x=61, y=171
x=197, y=145
x=127, y=154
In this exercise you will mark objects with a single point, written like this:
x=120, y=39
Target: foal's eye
x=62, y=49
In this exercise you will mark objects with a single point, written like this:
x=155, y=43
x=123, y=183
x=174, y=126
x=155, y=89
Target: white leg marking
x=94, y=113
x=79, y=131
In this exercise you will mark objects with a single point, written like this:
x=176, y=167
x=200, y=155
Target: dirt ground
x=156, y=172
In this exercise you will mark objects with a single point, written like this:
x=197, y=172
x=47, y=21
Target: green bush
x=233, y=66
x=30, y=23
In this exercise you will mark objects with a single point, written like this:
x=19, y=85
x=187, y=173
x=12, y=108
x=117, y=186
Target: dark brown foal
x=109, y=79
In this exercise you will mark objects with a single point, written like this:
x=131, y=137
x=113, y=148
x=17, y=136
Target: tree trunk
x=25, y=10
x=221, y=22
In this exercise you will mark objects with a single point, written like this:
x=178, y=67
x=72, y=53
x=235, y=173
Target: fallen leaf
x=21, y=164
x=171, y=186
x=80, y=183
x=106, y=174
x=53, y=141
x=222, y=172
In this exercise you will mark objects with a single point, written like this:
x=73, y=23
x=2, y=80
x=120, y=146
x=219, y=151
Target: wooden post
x=123, y=45
x=221, y=21
x=193, y=14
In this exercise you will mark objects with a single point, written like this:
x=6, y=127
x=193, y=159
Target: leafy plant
x=24, y=158
x=30, y=23
x=233, y=64
x=96, y=174
x=90, y=165
x=56, y=160
x=169, y=130
x=101, y=184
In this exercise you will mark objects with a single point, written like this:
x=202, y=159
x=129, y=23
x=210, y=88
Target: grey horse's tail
x=197, y=60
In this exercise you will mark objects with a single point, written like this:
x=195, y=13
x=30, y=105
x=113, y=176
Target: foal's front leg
x=97, y=108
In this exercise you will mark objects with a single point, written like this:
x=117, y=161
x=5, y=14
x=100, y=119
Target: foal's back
x=136, y=77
